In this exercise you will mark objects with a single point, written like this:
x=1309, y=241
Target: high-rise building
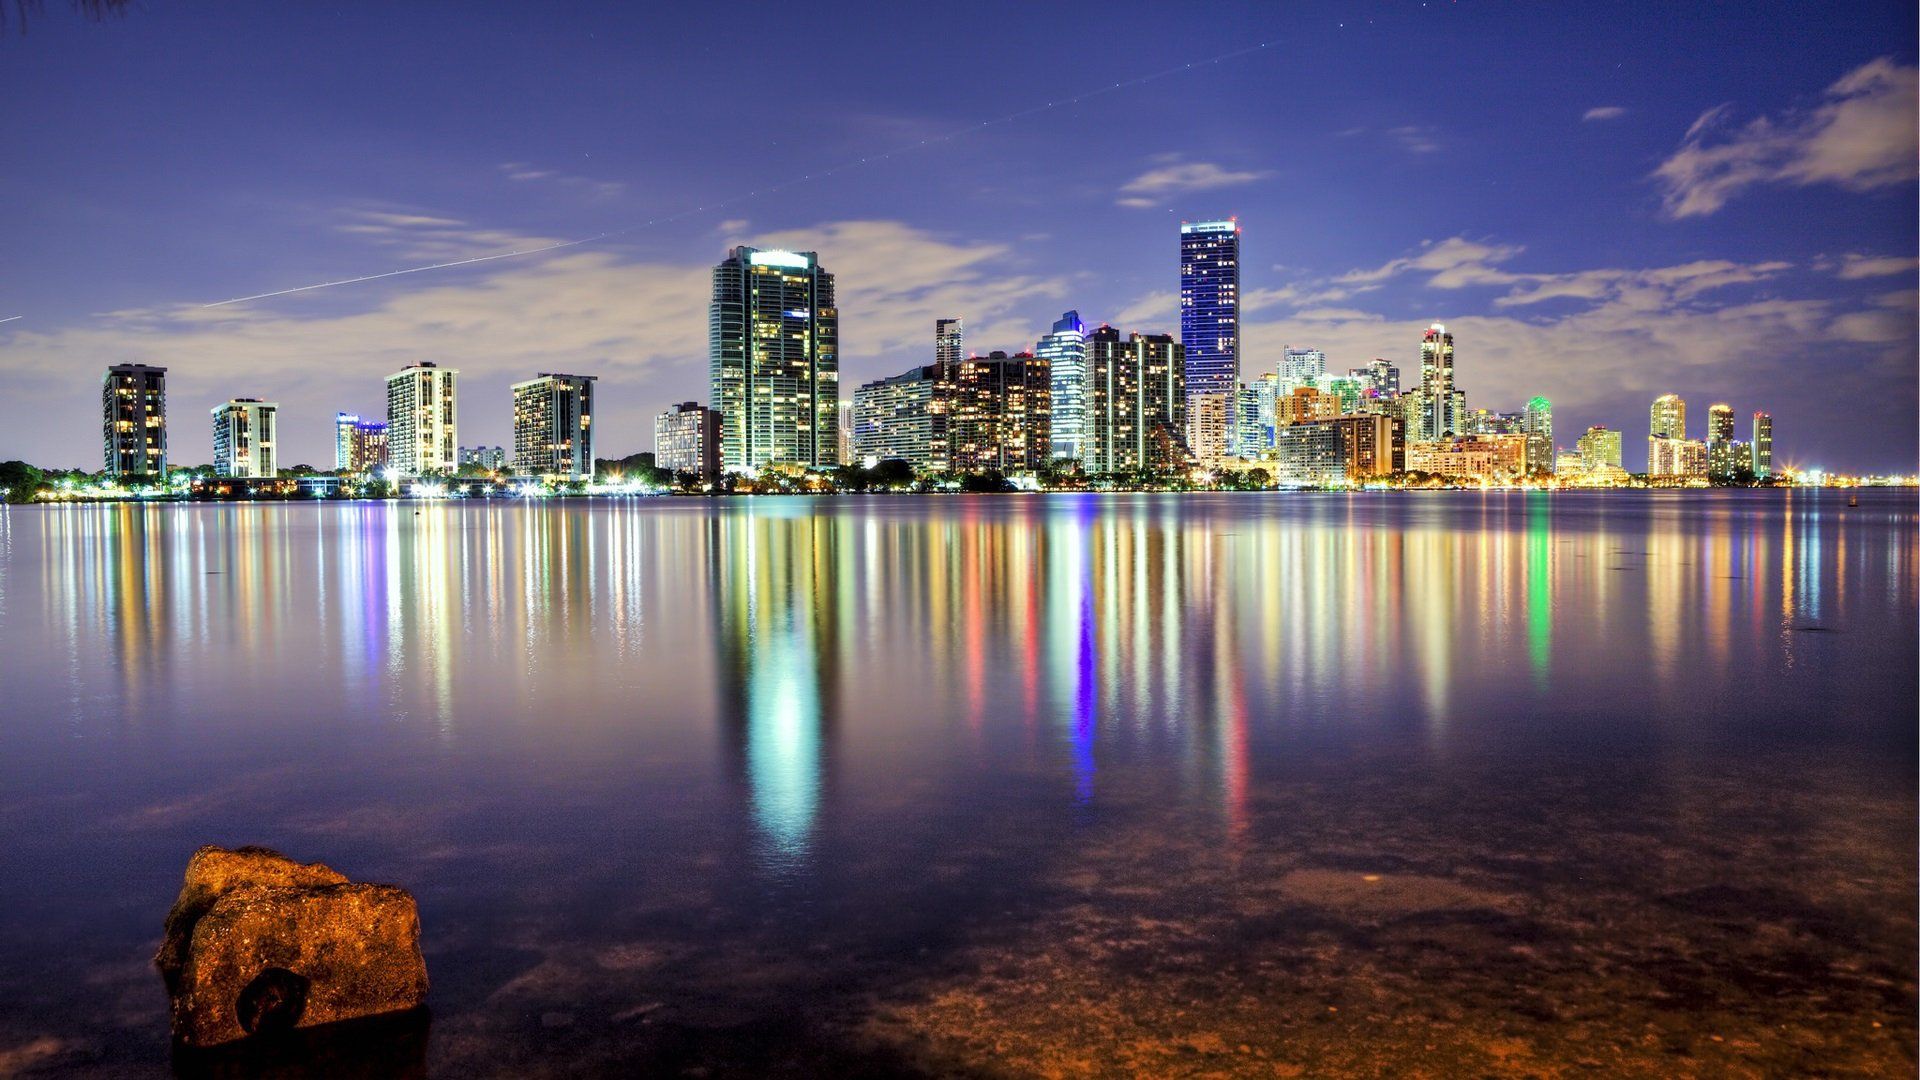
x=1538, y=427
x=422, y=420
x=1065, y=351
x=949, y=341
x=1266, y=394
x=904, y=417
x=359, y=446
x=1676, y=459
x=1762, y=444
x=1344, y=389
x=773, y=345
x=1304, y=403
x=133, y=406
x=1669, y=418
x=1339, y=449
x=843, y=431
x=1485, y=458
x=1301, y=367
x=1210, y=331
x=1136, y=402
x=1380, y=377
x=1599, y=448
x=1721, y=460
x=243, y=439
x=1251, y=437
x=686, y=438
x=553, y=426
x=1308, y=453
x=1439, y=403
x=1001, y=414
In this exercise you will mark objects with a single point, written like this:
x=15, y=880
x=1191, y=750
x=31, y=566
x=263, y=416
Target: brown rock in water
x=258, y=943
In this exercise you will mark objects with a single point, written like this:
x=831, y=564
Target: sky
x=1603, y=202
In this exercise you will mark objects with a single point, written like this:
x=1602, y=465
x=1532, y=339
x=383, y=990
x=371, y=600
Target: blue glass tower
x=1065, y=350
x=1210, y=331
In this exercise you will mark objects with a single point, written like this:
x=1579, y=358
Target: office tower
x=489, y=458
x=904, y=417
x=773, y=347
x=1721, y=462
x=1210, y=331
x=843, y=431
x=1001, y=414
x=1136, y=402
x=422, y=420
x=1669, y=418
x=553, y=426
x=1537, y=425
x=686, y=439
x=243, y=439
x=1438, y=404
x=359, y=446
x=1762, y=444
x=1379, y=377
x=949, y=344
x=133, y=406
x=1302, y=367
x=1065, y=351
x=1599, y=448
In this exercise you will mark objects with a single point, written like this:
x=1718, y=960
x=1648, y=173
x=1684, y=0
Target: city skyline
x=1703, y=262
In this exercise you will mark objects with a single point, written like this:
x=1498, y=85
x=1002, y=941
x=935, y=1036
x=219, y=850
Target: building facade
x=1136, y=402
x=490, y=458
x=422, y=420
x=1762, y=444
x=1537, y=425
x=1668, y=418
x=1379, y=377
x=1500, y=459
x=904, y=417
x=773, y=349
x=359, y=446
x=1723, y=459
x=133, y=406
x=1064, y=349
x=1676, y=459
x=686, y=439
x=1210, y=330
x=1301, y=367
x=1599, y=448
x=553, y=426
x=1001, y=414
x=949, y=341
x=1438, y=402
x=244, y=439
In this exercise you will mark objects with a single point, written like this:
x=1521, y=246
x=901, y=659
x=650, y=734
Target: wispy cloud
x=1416, y=138
x=1158, y=184
x=1854, y=266
x=1603, y=112
x=421, y=236
x=1860, y=136
x=525, y=173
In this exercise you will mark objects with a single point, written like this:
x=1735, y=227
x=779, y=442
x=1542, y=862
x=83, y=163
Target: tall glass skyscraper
x=1065, y=350
x=949, y=341
x=773, y=356
x=1210, y=331
x=1439, y=403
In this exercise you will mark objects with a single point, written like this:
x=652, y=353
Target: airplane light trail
x=10, y=318
x=802, y=179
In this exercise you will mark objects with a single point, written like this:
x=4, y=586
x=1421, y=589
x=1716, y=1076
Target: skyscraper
x=1065, y=351
x=1438, y=403
x=1598, y=448
x=133, y=407
x=1001, y=414
x=422, y=415
x=1538, y=427
x=1762, y=444
x=1669, y=418
x=1301, y=367
x=1721, y=462
x=1136, y=402
x=773, y=347
x=949, y=341
x=359, y=446
x=553, y=426
x=904, y=417
x=1210, y=330
x=1379, y=377
x=243, y=439
x=686, y=438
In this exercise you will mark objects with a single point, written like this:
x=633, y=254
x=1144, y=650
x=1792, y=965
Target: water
x=1197, y=784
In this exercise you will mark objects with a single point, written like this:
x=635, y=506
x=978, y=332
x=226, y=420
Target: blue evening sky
x=1604, y=202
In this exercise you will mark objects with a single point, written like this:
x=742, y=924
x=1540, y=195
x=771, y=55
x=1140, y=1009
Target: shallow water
x=1518, y=783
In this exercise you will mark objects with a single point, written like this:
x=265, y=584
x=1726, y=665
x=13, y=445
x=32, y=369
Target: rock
x=259, y=944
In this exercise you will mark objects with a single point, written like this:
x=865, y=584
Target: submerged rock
x=258, y=944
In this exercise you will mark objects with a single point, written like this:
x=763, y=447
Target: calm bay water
x=1511, y=783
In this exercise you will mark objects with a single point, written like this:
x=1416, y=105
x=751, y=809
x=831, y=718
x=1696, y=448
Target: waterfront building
x=1762, y=444
x=1599, y=447
x=1250, y=435
x=1669, y=418
x=1676, y=459
x=490, y=458
x=1438, y=403
x=133, y=407
x=843, y=432
x=1266, y=396
x=1484, y=458
x=1304, y=403
x=1379, y=377
x=686, y=439
x=1722, y=463
x=949, y=341
x=422, y=420
x=244, y=439
x=1210, y=331
x=1064, y=349
x=359, y=445
x=773, y=350
x=1308, y=453
x=553, y=426
x=1136, y=402
x=904, y=417
x=1001, y=414
x=1302, y=367
x=1537, y=425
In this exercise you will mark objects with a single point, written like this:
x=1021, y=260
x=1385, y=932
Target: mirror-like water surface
x=1515, y=784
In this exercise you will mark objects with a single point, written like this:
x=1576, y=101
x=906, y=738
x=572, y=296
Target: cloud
x=522, y=172
x=1454, y=262
x=1152, y=313
x=1861, y=136
x=1603, y=112
x=1157, y=185
x=1853, y=267
x=428, y=237
x=1416, y=138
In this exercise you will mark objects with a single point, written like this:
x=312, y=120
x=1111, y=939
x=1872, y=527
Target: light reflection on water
x=859, y=682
